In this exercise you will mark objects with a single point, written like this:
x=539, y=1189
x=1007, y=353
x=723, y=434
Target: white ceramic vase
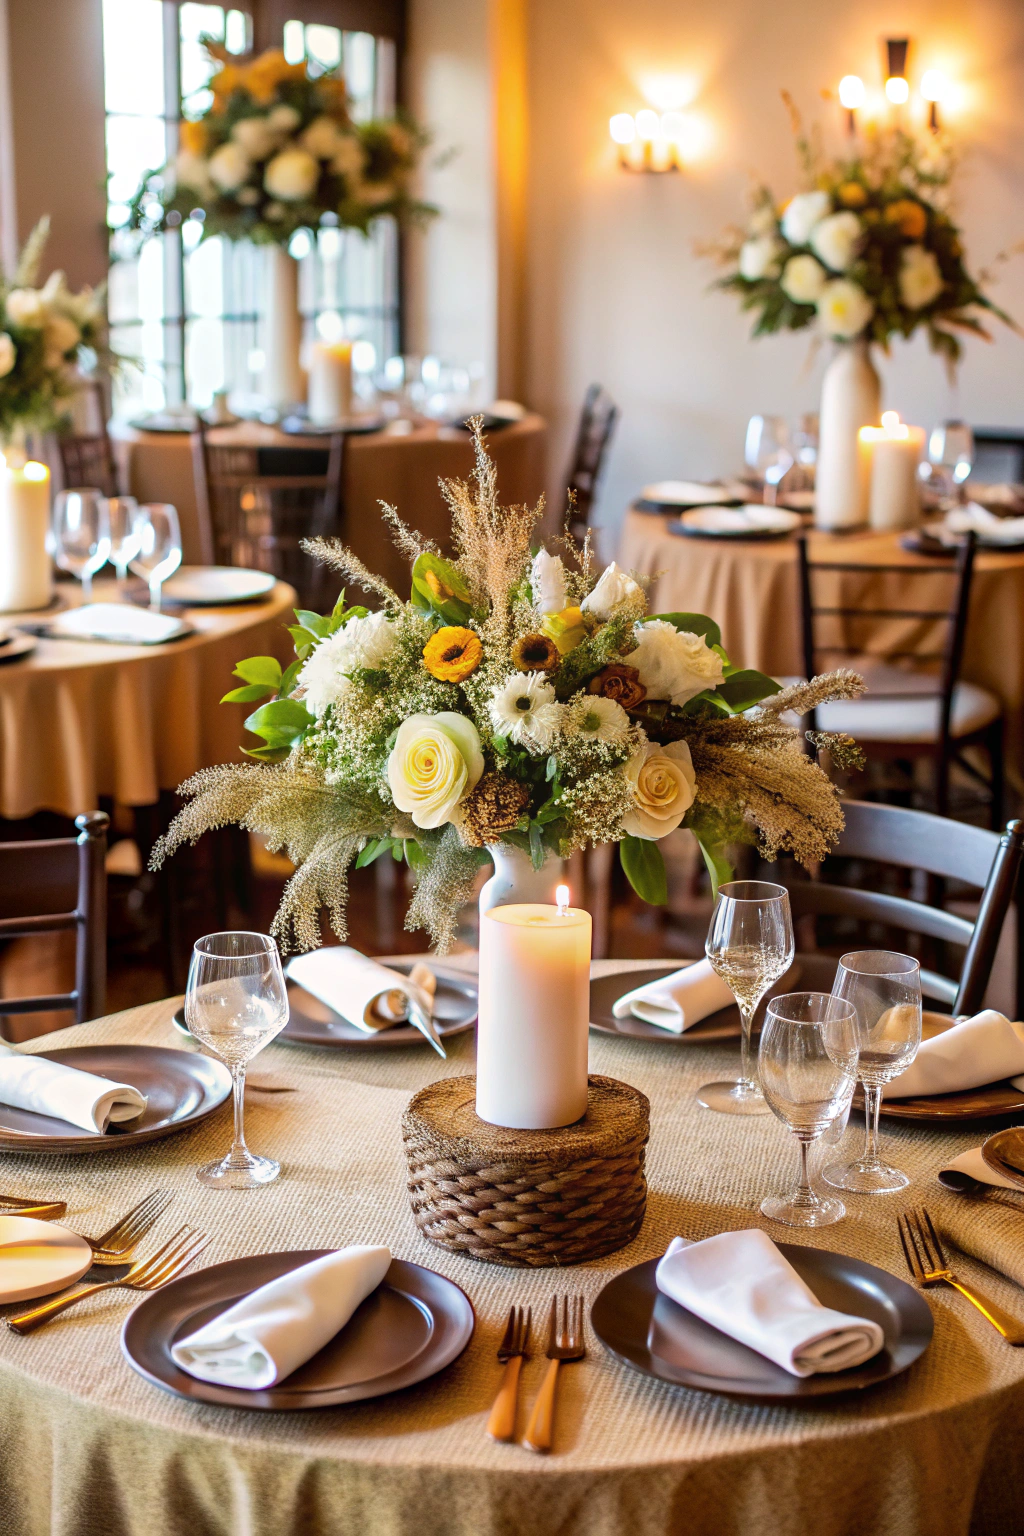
x=850, y=399
x=515, y=879
x=284, y=382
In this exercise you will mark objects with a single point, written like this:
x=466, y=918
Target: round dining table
x=87, y=1444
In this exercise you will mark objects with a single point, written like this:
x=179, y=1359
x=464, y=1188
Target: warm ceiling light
x=851, y=92
x=622, y=128
x=897, y=90
x=648, y=125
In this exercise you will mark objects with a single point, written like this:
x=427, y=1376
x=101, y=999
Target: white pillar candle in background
x=896, y=452
x=283, y=382
x=26, y=570
x=330, y=382
x=531, y=1050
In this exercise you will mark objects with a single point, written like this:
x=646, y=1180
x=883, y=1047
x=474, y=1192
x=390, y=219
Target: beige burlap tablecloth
x=87, y=1446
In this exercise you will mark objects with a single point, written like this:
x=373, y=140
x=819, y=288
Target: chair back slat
x=593, y=435
x=891, y=834
x=812, y=896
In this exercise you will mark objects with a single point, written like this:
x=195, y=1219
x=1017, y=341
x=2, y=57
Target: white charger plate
x=686, y=493
x=199, y=586
x=753, y=522
x=38, y=1257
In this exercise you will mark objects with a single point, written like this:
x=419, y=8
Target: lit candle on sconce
x=653, y=141
x=851, y=96
x=897, y=88
x=896, y=451
x=935, y=90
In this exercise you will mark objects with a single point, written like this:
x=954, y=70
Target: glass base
x=797, y=1212
x=239, y=1171
x=735, y=1098
x=865, y=1178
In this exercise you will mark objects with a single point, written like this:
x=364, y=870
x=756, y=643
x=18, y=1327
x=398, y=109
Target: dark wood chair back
x=53, y=885
x=252, y=518
x=593, y=435
x=87, y=459
x=950, y=850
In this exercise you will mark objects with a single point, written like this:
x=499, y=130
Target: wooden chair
x=52, y=885
x=249, y=517
x=951, y=850
x=597, y=423
x=908, y=712
x=87, y=459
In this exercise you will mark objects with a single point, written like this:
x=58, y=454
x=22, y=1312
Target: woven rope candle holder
x=527, y=1199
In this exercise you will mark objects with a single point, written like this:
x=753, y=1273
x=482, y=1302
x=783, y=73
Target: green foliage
x=281, y=723
x=744, y=688
x=446, y=595
x=645, y=869
x=693, y=624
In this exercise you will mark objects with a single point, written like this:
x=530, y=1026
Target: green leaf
x=743, y=689
x=645, y=869
x=286, y=719
x=375, y=847
x=551, y=767
x=719, y=867
x=268, y=754
x=692, y=624
x=500, y=745
x=314, y=622
x=536, y=844
x=247, y=694
x=415, y=856
x=452, y=601
x=288, y=679
x=302, y=639
x=260, y=669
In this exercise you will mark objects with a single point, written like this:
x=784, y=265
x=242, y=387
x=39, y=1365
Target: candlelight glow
x=891, y=430
x=897, y=90
x=562, y=898
x=934, y=85
x=622, y=128
x=34, y=471
x=851, y=92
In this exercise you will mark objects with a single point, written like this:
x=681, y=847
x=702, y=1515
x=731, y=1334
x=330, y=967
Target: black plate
x=653, y=1334
x=414, y=1324
x=723, y=1025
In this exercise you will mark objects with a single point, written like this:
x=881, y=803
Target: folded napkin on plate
x=368, y=995
x=677, y=1001
x=991, y=529
x=270, y=1333
x=65, y=1093
x=116, y=621
x=740, y=1283
x=984, y=1049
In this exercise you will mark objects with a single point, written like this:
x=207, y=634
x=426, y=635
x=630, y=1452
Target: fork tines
x=570, y=1335
x=169, y=1261
x=136, y=1222
x=517, y=1332
x=921, y=1246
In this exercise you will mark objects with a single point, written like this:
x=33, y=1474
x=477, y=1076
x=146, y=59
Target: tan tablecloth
x=380, y=466
x=751, y=589
x=79, y=720
x=88, y=1446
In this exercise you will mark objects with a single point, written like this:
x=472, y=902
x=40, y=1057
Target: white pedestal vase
x=515, y=880
x=850, y=399
x=284, y=383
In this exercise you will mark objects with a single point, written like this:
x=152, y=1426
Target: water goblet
x=750, y=945
x=885, y=990
x=767, y=451
x=235, y=1004
x=951, y=456
x=124, y=537
x=81, y=534
x=805, y=1039
x=159, y=552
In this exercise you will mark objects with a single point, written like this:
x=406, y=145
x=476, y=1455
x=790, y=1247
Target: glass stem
x=747, y=1078
x=239, y=1151
x=872, y=1109
x=154, y=596
x=804, y=1192
x=87, y=586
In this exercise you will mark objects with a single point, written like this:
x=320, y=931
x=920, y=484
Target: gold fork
x=511, y=1352
x=42, y=1210
x=927, y=1263
x=565, y=1343
x=150, y=1274
x=115, y=1245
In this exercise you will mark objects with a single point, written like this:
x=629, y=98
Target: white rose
x=229, y=167
x=373, y=194
x=26, y=307
x=192, y=171
x=321, y=137
x=547, y=582
x=844, y=309
x=803, y=278
x=920, y=277
x=292, y=175
x=61, y=334
x=801, y=215
x=435, y=762
x=348, y=158
x=762, y=220
x=664, y=786
x=759, y=258
x=366, y=643
x=284, y=119
x=256, y=137
x=836, y=240
x=613, y=589
x=8, y=354
x=672, y=663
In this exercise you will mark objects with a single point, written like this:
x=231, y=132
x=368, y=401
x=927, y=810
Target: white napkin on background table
x=270, y=1333
x=984, y=1049
x=121, y=622
x=65, y=1093
x=988, y=527
x=677, y=1001
x=741, y=1284
x=366, y=994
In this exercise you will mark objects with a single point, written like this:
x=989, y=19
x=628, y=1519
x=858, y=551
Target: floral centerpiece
x=515, y=698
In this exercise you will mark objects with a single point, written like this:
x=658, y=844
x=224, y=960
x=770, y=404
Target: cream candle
x=896, y=451
x=330, y=382
x=26, y=570
x=531, y=1058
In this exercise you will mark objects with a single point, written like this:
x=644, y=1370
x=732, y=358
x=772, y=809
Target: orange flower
x=852, y=195
x=192, y=136
x=452, y=653
x=271, y=69
x=620, y=683
x=910, y=216
x=225, y=82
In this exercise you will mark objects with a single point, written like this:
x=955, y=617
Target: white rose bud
x=229, y=167
x=61, y=334
x=613, y=589
x=321, y=137
x=348, y=158
x=284, y=119
x=664, y=787
x=256, y=137
x=26, y=307
x=547, y=582
x=435, y=762
x=920, y=277
x=837, y=239
x=844, y=309
x=801, y=215
x=674, y=664
x=759, y=258
x=292, y=175
x=8, y=354
x=802, y=280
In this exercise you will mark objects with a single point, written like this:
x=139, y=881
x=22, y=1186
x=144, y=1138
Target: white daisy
x=597, y=719
x=524, y=710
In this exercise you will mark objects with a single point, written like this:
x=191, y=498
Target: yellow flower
x=566, y=629
x=535, y=653
x=192, y=136
x=852, y=195
x=910, y=216
x=271, y=69
x=452, y=654
x=228, y=79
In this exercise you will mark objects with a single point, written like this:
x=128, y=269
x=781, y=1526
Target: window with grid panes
x=188, y=312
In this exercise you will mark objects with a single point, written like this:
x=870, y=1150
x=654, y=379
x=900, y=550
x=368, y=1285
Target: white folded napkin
x=984, y=1049
x=368, y=995
x=989, y=528
x=686, y=493
x=65, y=1093
x=974, y=1165
x=121, y=622
x=740, y=1283
x=677, y=1001
x=270, y=1333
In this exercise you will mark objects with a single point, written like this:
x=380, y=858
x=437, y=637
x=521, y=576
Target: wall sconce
x=897, y=87
x=649, y=141
x=851, y=96
x=935, y=90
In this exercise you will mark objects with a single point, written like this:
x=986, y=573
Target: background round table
x=87, y=1444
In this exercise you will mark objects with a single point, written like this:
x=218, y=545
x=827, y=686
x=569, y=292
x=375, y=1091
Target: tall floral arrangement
x=278, y=151
x=516, y=697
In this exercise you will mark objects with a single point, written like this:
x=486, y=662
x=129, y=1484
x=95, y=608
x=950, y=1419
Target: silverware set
x=565, y=1343
x=927, y=1263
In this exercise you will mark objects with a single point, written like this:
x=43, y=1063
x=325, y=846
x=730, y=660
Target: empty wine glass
x=235, y=1004
x=159, y=552
x=81, y=534
x=951, y=455
x=767, y=452
x=750, y=945
x=124, y=537
x=885, y=990
x=804, y=1041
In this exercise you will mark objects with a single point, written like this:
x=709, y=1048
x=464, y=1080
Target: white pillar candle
x=896, y=451
x=26, y=570
x=283, y=381
x=531, y=1056
x=330, y=382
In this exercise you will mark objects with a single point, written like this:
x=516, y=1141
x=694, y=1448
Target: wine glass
x=235, y=1004
x=81, y=535
x=124, y=538
x=805, y=1040
x=159, y=552
x=767, y=451
x=805, y=447
x=750, y=945
x=885, y=990
x=951, y=455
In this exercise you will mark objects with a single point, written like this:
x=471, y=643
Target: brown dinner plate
x=992, y=1101
x=723, y=1025
x=655, y=1335
x=182, y=1089
x=414, y=1324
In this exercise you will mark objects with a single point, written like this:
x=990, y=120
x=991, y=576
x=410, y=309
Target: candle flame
x=562, y=898
x=35, y=471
